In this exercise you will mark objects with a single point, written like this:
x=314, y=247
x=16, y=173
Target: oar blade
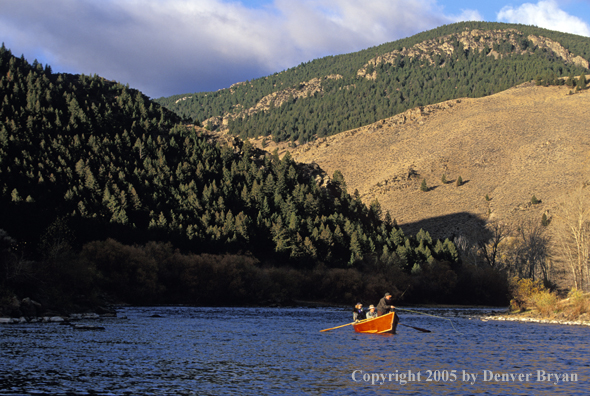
x=417, y=328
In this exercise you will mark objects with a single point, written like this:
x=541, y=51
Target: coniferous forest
x=347, y=100
x=106, y=194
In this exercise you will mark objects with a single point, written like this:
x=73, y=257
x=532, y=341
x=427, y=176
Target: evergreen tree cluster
x=353, y=101
x=572, y=81
x=60, y=136
x=115, y=164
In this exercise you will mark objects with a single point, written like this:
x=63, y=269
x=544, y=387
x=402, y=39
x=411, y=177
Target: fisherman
x=372, y=314
x=358, y=313
x=385, y=306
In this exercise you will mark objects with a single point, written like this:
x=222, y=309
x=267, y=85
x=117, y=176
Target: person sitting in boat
x=372, y=314
x=358, y=313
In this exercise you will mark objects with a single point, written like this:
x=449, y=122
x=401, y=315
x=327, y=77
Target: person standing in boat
x=358, y=313
x=384, y=307
x=372, y=314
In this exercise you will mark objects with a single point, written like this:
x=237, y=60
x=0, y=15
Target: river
x=281, y=351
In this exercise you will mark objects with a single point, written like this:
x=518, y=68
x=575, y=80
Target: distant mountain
x=338, y=93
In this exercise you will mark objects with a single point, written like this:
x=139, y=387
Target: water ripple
x=189, y=351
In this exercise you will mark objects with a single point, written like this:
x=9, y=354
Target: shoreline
x=530, y=319
x=506, y=316
x=51, y=316
x=441, y=306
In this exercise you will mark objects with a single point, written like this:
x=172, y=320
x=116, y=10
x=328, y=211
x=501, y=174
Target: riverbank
x=533, y=302
x=535, y=317
x=63, y=319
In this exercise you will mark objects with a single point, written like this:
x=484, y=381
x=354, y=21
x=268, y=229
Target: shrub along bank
x=157, y=273
x=532, y=299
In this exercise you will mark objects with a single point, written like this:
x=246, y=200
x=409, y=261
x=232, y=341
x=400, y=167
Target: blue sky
x=166, y=47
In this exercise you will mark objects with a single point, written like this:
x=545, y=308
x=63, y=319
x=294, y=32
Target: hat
x=387, y=294
x=359, y=304
x=371, y=306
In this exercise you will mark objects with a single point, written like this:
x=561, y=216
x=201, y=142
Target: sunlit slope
x=525, y=141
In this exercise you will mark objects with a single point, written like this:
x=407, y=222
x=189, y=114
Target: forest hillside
x=338, y=93
x=105, y=191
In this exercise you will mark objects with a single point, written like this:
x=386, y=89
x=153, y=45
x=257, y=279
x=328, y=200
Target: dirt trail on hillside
x=512, y=145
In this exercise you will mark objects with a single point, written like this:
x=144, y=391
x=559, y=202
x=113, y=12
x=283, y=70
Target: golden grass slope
x=522, y=142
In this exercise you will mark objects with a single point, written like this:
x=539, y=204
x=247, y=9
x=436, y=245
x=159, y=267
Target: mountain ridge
x=473, y=40
x=334, y=94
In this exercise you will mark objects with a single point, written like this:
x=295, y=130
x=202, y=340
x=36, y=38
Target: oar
x=434, y=316
x=337, y=327
x=348, y=324
x=417, y=328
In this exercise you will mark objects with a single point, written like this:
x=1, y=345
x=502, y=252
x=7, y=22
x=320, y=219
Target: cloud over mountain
x=546, y=14
x=175, y=46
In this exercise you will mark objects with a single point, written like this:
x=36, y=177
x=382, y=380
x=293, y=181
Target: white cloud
x=178, y=46
x=546, y=14
x=469, y=15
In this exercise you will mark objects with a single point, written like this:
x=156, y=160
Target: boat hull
x=381, y=324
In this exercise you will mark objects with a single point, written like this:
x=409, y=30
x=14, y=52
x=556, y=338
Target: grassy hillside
x=520, y=153
x=337, y=93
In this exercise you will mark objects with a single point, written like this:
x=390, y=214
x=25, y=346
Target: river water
x=281, y=351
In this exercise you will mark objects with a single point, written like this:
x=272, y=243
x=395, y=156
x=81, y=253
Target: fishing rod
x=399, y=298
x=434, y=316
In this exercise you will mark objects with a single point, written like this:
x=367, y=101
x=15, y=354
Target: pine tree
x=416, y=269
x=338, y=180
x=375, y=212
x=459, y=181
x=15, y=196
x=571, y=80
x=424, y=186
x=582, y=81
x=355, y=247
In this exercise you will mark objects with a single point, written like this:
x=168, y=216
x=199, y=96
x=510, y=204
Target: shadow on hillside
x=450, y=226
x=455, y=181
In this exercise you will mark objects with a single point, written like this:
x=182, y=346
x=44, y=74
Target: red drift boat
x=381, y=324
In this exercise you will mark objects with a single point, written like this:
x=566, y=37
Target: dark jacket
x=384, y=306
x=358, y=314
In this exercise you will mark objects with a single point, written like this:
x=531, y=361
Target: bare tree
x=489, y=247
x=467, y=249
x=572, y=233
x=533, y=254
